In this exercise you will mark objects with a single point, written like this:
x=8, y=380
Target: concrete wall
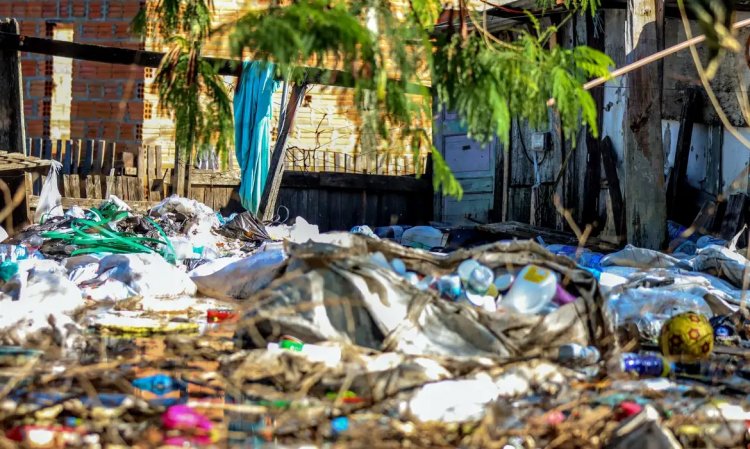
x=712, y=174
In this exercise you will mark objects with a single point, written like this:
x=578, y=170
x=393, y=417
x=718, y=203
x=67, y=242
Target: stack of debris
x=181, y=327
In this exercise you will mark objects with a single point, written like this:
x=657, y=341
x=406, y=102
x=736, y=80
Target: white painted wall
x=734, y=160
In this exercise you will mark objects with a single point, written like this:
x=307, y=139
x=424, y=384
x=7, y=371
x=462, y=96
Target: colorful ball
x=688, y=336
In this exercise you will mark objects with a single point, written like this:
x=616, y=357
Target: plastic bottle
x=398, y=266
x=449, y=286
x=480, y=279
x=503, y=282
x=533, y=289
x=575, y=354
x=465, y=268
x=642, y=365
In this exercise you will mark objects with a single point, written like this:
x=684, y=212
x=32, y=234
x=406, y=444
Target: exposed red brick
x=34, y=127
x=127, y=132
x=34, y=10
x=130, y=9
x=36, y=89
x=95, y=10
x=80, y=89
x=28, y=68
x=79, y=8
x=49, y=9
x=27, y=27
x=19, y=10
x=135, y=110
x=103, y=110
x=92, y=132
x=6, y=9
x=111, y=131
x=111, y=92
x=116, y=10
x=89, y=30
x=77, y=129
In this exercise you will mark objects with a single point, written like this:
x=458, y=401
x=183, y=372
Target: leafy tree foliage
x=484, y=79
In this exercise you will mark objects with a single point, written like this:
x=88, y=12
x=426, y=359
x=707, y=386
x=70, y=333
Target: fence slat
x=88, y=159
x=108, y=164
x=67, y=157
x=75, y=186
x=99, y=147
x=46, y=149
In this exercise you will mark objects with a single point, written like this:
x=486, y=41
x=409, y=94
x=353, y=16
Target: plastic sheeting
x=324, y=293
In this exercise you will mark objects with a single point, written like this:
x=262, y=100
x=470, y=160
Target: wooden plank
x=99, y=147
x=197, y=193
x=67, y=191
x=46, y=149
x=58, y=150
x=75, y=186
x=118, y=186
x=178, y=174
x=713, y=182
x=87, y=162
x=734, y=215
x=159, y=173
x=97, y=181
x=89, y=186
x=276, y=167
x=609, y=161
x=645, y=209
x=108, y=164
x=76, y=157
x=678, y=176
x=110, y=190
x=705, y=220
x=93, y=202
x=141, y=58
x=137, y=190
x=68, y=159
x=357, y=181
x=36, y=149
x=592, y=168
x=12, y=125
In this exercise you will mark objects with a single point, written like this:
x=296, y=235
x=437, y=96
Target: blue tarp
x=252, y=129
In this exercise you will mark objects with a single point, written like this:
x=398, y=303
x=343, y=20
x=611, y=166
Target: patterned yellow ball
x=687, y=336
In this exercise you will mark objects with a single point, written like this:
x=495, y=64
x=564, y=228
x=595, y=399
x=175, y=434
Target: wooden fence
x=305, y=160
x=335, y=201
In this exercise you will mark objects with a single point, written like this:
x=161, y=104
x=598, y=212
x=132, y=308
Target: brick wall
x=117, y=103
x=106, y=103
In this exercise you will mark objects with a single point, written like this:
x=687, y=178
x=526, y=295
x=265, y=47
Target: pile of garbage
x=181, y=327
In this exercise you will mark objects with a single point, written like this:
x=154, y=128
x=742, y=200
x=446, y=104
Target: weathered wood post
x=645, y=197
x=12, y=134
x=267, y=205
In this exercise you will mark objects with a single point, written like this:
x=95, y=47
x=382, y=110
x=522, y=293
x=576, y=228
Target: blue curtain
x=252, y=129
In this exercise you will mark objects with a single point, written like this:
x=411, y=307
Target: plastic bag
x=50, y=200
x=649, y=308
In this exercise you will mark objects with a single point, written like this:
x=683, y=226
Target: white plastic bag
x=50, y=200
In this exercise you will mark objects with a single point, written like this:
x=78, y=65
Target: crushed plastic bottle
x=160, y=384
x=449, y=286
x=642, y=365
x=576, y=355
x=532, y=291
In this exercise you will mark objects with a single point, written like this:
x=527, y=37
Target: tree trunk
x=645, y=198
